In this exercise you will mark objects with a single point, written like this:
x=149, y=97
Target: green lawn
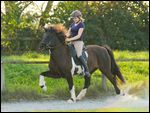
x=22, y=79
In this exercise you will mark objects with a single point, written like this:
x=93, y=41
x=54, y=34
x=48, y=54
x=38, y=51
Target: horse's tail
x=114, y=68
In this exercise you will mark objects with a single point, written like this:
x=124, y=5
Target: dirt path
x=119, y=101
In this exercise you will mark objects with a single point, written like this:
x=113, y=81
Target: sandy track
x=119, y=101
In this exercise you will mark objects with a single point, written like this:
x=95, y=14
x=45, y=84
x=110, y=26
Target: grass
x=27, y=56
x=22, y=79
x=129, y=54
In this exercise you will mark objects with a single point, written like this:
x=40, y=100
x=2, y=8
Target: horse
x=61, y=65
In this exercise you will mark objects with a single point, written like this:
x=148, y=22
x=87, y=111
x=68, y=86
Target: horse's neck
x=60, y=53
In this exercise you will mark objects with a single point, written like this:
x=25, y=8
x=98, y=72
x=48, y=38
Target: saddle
x=74, y=54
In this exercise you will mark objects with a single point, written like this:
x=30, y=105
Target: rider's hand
x=67, y=35
x=67, y=40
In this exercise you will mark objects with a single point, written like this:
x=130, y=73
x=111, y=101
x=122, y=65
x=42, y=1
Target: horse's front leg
x=84, y=90
x=42, y=82
x=71, y=89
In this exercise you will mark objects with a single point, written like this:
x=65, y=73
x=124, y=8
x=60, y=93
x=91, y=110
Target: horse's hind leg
x=112, y=79
x=104, y=86
x=83, y=91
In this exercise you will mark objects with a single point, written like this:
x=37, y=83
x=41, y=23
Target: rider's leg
x=86, y=71
x=79, y=47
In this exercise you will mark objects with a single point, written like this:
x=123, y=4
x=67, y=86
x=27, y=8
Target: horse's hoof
x=118, y=92
x=122, y=93
x=71, y=101
x=78, y=99
x=81, y=94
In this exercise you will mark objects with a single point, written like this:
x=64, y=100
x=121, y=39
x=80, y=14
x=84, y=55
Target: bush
x=120, y=24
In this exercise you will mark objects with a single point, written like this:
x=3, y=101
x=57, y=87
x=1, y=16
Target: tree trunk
x=45, y=14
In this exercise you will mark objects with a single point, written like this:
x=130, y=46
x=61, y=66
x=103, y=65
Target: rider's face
x=76, y=19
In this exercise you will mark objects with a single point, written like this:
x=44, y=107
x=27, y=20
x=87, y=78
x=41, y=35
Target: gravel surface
x=126, y=101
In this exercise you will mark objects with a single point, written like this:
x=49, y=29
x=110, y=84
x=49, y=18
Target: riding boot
x=83, y=62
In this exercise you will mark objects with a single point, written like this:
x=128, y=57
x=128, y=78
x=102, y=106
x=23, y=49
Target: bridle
x=48, y=46
x=56, y=46
x=52, y=48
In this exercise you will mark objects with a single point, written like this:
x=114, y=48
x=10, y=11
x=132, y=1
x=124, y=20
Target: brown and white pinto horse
x=61, y=65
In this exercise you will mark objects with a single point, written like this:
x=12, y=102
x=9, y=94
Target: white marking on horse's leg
x=81, y=94
x=72, y=91
x=79, y=70
x=73, y=96
x=42, y=83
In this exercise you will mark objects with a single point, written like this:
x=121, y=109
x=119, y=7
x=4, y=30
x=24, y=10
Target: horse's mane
x=57, y=28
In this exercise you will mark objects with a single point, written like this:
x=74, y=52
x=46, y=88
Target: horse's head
x=53, y=36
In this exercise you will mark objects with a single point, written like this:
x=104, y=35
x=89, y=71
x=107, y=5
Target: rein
x=53, y=47
x=59, y=70
x=57, y=46
x=51, y=54
x=55, y=61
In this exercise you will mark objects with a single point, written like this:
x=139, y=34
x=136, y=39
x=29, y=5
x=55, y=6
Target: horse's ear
x=45, y=29
x=49, y=28
x=52, y=29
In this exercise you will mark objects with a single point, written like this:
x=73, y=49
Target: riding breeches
x=78, y=47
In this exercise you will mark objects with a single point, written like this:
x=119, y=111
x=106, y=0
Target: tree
x=120, y=24
x=45, y=14
x=11, y=21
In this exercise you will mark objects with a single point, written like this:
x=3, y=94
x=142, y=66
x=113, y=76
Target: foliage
x=120, y=24
x=17, y=25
